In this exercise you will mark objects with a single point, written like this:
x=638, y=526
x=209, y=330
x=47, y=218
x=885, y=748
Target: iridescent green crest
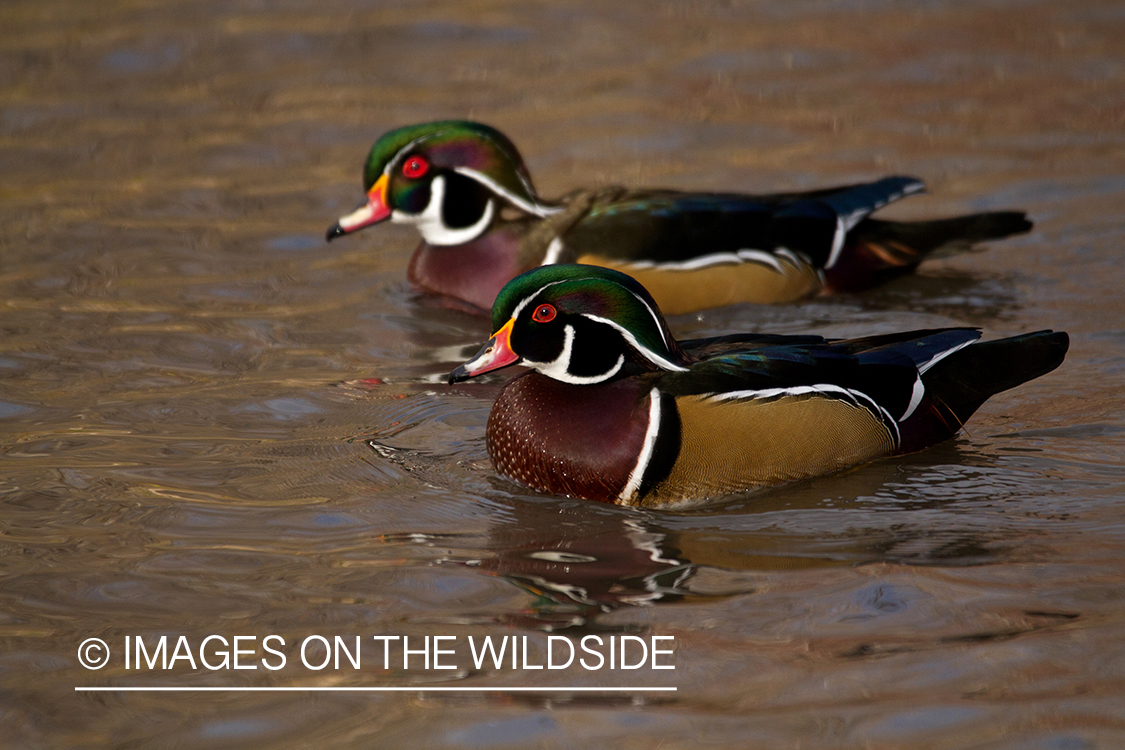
x=592, y=291
x=454, y=144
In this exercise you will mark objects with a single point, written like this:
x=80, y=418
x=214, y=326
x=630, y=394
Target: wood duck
x=614, y=409
x=466, y=189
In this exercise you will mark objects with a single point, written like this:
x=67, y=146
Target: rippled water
x=212, y=423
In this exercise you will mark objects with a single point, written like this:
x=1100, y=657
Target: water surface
x=214, y=423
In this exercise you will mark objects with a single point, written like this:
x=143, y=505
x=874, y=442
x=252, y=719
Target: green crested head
x=575, y=322
x=470, y=148
x=581, y=289
x=450, y=179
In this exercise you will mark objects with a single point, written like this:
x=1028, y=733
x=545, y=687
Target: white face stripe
x=429, y=223
x=823, y=389
x=655, y=318
x=651, y=433
x=559, y=368
x=533, y=207
x=394, y=159
x=527, y=300
x=644, y=351
x=561, y=373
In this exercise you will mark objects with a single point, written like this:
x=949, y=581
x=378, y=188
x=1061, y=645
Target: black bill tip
x=458, y=375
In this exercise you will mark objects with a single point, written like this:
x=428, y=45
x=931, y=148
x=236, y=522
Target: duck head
x=447, y=178
x=577, y=324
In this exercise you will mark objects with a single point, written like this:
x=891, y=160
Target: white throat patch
x=430, y=224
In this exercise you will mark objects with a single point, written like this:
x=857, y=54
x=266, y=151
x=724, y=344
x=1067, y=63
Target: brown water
x=193, y=445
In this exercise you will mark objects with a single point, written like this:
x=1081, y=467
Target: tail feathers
x=943, y=237
x=957, y=385
x=878, y=251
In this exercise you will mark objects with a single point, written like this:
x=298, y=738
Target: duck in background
x=466, y=188
x=614, y=409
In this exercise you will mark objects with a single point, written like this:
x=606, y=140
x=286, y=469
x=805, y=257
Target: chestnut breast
x=577, y=440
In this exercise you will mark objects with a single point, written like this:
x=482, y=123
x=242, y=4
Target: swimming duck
x=615, y=409
x=466, y=189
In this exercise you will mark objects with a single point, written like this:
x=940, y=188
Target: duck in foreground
x=466, y=189
x=614, y=409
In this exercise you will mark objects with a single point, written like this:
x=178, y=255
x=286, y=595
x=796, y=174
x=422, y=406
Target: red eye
x=544, y=314
x=415, y=167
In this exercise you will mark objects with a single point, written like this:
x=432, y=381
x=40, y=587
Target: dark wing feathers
x=920, y=347
x=879, y=192
x=699, y=349
x=853, y=204
x=958, y=372
x=666, y=226
x=884, y=368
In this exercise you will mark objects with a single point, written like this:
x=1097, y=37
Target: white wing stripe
x=837, y=243
x=825, y=389
x=762, y=257
x=942, y=355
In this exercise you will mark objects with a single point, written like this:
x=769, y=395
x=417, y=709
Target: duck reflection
x=581, y=560
x=591, y=568
x=592, y=561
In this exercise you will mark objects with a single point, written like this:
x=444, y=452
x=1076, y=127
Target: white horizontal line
x=398, y=689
